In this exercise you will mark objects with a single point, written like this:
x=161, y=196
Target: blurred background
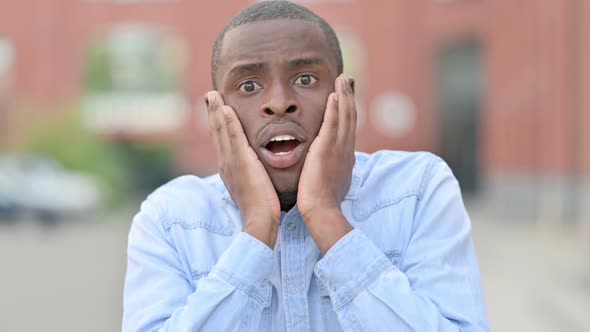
x=101, y=103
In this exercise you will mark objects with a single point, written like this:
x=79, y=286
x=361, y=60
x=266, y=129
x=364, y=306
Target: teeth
x=282, y=138
x=282, y=153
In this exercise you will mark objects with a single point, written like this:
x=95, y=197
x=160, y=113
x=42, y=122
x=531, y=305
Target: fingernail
x=351, y=83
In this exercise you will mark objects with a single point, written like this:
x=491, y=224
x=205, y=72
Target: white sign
x=393, y=114
x=135, y=114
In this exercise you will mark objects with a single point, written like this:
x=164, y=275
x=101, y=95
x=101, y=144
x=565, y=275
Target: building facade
x=500, y=89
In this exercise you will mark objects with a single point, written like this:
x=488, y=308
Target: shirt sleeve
x=436, y=288
x=159, y=297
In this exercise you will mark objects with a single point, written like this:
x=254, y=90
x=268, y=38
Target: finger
x=342, y=107
x=329, y=128
x=214, y=101
x=346, y=111
x=236, y=134
x=222, y=133
x=209, y=101
x=206, y=100
x=354, y=115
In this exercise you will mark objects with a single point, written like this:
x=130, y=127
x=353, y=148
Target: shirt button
x=291, y=226
x=292, y=289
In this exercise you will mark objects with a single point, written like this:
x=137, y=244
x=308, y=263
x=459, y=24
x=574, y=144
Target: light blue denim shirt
x=408, y=265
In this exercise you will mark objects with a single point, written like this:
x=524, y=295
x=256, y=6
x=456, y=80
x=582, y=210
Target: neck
x=287, y=200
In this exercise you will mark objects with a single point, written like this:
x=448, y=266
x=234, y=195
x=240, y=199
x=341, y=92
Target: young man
x=297, y=233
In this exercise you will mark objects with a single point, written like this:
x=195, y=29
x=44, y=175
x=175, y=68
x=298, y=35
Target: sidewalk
x=535, y=277
x=70, y=277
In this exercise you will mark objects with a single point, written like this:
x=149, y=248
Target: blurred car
x=39, y=186
x=8, y=208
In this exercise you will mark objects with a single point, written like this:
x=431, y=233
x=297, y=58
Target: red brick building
x=500, y=89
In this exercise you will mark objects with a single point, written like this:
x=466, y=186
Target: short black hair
x=271, y=10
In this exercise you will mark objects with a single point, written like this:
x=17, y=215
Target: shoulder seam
x=160, y=213
x=426, y=177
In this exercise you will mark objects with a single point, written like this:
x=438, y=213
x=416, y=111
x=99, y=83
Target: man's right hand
x=242, y=172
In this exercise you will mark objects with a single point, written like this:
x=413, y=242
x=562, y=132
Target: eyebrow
x=247, y=68
x=305, y=62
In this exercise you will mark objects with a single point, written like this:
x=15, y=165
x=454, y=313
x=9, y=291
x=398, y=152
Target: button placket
x=293, y=276
x=293, y=288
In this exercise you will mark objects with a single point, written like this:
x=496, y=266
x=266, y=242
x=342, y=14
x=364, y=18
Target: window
x=134, y=82
x=459, y=80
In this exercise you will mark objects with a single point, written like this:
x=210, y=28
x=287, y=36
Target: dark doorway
x=459, y=86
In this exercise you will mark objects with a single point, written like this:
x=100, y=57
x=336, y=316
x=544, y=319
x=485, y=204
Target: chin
x=285, y=187
x=285, y=182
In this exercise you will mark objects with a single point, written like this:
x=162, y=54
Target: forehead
x=277, y=41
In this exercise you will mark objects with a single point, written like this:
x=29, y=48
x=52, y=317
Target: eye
x=305, y=80
x=249, y=86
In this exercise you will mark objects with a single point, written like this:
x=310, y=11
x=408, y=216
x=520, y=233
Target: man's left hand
x=327, y=172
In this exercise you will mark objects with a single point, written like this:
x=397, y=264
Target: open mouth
x=283, y=150
x=282, y=145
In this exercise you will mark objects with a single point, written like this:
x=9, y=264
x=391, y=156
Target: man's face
x=277, y=76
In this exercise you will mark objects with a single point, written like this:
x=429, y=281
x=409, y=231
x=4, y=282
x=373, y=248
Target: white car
x=38, y=185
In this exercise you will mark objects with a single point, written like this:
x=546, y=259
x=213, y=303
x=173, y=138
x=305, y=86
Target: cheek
x=247, y=112
x=319, y=117
x=315, y=116
x=249, y=125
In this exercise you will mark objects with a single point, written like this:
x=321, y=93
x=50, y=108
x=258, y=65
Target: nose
x=279, y=100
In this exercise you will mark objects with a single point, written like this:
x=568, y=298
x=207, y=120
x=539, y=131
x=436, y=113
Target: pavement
x=536, y=276
x=69, y=277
